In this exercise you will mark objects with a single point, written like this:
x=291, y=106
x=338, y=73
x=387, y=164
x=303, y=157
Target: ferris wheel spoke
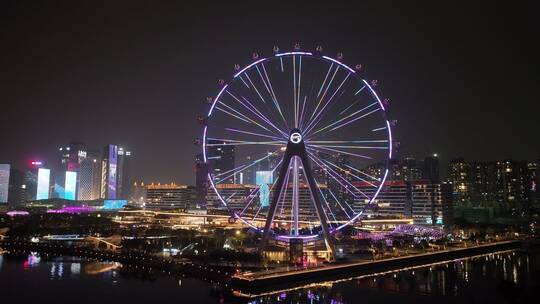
x=301, y=123
x=341, y=206
x=326, y=90
x=296, y=89
x=232, y=142
x=253, y=194
x=378, y=129
x=285, y=182
x=355, y=102
x=360, y=90
x=363, y=173
x=269, y=88
x=240, y=116
x=319, y=148
x=337, y=177
x=253, y=133
x=344, y=118
x=242, y=168
x=244, y=82
x=263, y=100
x=315, y=121
x=349, y=173
x=351, y=147
x=343, y=124
x=246, y=104
x=329, y=209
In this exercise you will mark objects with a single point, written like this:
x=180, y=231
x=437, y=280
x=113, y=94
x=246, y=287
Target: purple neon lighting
x=217, y=98
x=341, y=64
x=374, y=94
x=253, y=133
x=242, y=115
x=249, y=66
x=344, y=118
x=255, y=111
x=293, y=53
x=390, y=140
x=314, y=120
x=15, y=213
x=204, y=144
x=315, y=147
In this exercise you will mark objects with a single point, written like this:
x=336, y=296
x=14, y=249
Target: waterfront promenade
x=259, y=282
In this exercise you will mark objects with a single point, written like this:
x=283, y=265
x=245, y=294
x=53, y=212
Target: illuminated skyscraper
x=29, y=183
x=43, y=184
x=70, y=186
x=124, y=181
x=4, y=182
x=109, y=165
x=89, y=177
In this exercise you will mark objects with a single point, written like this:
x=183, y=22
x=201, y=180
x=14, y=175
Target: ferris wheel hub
x=296, y=136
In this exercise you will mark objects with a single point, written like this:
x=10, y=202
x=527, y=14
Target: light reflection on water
x=497, y=278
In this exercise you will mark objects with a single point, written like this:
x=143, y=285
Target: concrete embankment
x=259, y=282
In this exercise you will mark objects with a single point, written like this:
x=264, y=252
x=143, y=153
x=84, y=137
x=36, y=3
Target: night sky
x=463, y=79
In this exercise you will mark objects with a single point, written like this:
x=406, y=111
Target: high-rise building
x=169, y=196
x=534, y=173
x=458, y=175
x=15, y=184
x=221, y=159
x=29, y=185
x=4, y=183
x=43, y=184
x=512, y=181
x=124, y=181
x=109, y=177
x=431, y=168
x=411, y=171
x=70, y=186
x=201, y=181
x=71, y=156
x=426, y=202
x=89, y=177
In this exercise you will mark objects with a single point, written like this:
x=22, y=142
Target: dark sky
x=463, y=78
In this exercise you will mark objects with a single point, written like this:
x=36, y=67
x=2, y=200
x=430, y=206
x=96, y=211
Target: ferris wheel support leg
x=317, y=202
x=275, y=199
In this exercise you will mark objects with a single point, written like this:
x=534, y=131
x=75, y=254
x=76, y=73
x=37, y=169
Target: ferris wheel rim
x=323, y=58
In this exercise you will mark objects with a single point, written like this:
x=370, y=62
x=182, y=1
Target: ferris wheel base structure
x=296, y=149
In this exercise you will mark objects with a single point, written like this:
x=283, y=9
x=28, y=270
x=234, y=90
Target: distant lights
x=36, y=163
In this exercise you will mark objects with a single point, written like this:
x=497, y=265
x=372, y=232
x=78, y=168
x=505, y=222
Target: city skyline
x=137, y=79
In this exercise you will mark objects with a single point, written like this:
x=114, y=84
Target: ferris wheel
x=296, y=144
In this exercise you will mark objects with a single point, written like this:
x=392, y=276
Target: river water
x=509, y=277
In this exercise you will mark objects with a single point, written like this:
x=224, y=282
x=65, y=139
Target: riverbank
x=142, y=262
x=254, y=284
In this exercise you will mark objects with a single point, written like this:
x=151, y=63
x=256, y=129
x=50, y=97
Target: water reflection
x=494, y=277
